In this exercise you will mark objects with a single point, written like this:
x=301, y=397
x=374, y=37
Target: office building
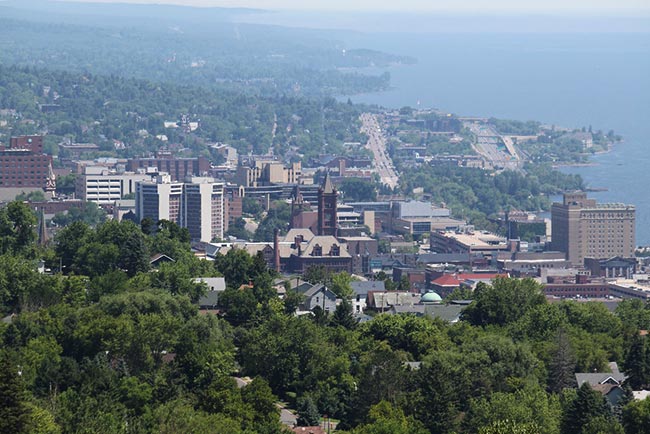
x=98, y=184
x=24, y=165
x=582, y=228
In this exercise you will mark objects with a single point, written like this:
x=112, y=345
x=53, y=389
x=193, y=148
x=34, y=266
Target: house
x=210, y=299
x=317, y=295
x=360, y=293
x=158, y=259
x=381, y=301
x=607, y=383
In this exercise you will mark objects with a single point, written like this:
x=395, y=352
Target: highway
x=377, y=144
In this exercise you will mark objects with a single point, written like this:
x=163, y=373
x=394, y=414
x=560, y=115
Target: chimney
x=276, y=249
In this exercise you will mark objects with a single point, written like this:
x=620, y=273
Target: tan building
x=582, y=228
x=264, y=172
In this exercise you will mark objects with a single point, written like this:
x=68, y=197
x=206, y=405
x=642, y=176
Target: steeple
x=50, y=183
x=327, y=201
x=328, y=187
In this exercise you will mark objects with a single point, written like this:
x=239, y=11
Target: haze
x=474, y=6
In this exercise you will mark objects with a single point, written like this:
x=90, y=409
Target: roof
x=362, y=288
x=446, y=280
x=326, y=242
x=210, y=299
x=385, y=299
x=449, y=312
x=597, y=378
x=319, y=288
x=443, y=258
x=431, y=297
x=159, y=257
x=328, y=188
x=305, y=233
x=214, y=283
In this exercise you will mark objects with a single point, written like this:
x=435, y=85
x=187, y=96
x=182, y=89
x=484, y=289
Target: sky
x=589, y=7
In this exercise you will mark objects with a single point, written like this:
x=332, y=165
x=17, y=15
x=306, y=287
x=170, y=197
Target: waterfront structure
x=98, y=184
x=582, y=228
x=197, y=205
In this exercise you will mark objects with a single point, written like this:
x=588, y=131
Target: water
x=570, y=80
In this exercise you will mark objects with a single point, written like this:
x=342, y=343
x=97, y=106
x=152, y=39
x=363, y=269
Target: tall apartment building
x=98, y=184
x=583, y=228
x=23, y=164
x=204, y=212
x=197, y=205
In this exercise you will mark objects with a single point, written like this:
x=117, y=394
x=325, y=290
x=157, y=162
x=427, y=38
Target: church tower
x=327, y=199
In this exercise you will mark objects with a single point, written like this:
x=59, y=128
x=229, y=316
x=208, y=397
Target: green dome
x=430, y=297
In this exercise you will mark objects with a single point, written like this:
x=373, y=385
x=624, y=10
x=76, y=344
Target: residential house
x=360, y=293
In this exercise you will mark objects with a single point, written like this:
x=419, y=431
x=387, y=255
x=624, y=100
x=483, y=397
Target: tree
x=561, y=373
x=503, y=302
x=340, y=285
x=14, y=413
x=587, y=405
x=637, y=362
x=343, y=315
x=636, y=417
x=308, y=414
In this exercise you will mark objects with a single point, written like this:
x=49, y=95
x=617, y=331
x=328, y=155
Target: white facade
x=197, y=205
x=103, y=186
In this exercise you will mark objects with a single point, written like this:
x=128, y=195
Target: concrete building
x=159, y=200
x=582, y=228
x=203, y=209
x=197, y=205
x=98, y=184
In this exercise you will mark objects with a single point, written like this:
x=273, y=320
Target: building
x=419, y=218
x=31, y=143
x=467, y=242
x=76, y=150
x=260, y=171
x=177, y=168
x=327, y=212
x=98, y=184
x=23, y=164
x=197, y=205
x=582, y=228
x=203, y=209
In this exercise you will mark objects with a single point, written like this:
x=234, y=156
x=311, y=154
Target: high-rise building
x=203, y=209
x=583, y=228
x=327, y=199
x=197, y=205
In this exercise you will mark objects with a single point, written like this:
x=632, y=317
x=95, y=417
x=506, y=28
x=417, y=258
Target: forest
x=105, y=344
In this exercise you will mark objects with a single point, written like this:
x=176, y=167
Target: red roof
x=480, y=276
x=447, y=280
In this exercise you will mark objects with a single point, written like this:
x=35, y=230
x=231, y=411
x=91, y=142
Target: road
x=377, y=144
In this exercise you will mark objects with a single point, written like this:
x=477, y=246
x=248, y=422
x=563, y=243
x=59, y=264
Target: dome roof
x=430, y=297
